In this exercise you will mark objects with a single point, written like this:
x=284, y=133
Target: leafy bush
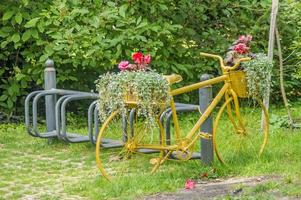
x=86, y=38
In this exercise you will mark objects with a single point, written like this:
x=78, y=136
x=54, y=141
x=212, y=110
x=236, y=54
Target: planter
x=239, y=83
x=131, y=100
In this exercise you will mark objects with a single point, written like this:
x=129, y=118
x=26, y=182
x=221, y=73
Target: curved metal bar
x=163, y=114
x=35, y=110
x=90, y=121
x=132, y=119
x=63, y=113
x=57, y=116
x=96, y=122
x=185, y=105
x=65, y=92
x=27, y=114
x=124, y=128
x=106, y=142
x=169, y=116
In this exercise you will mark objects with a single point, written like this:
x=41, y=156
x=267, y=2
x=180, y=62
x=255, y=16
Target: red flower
x=137, y=57
x=241, y=48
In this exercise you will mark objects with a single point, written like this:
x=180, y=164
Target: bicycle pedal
x=155, y=161
x=205, y=135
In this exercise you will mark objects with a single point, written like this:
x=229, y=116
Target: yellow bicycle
x=237, y=134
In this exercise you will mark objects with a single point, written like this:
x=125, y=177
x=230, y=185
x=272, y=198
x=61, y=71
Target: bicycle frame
x=226, y=91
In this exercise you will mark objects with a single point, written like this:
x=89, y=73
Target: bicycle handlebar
x=225, y=68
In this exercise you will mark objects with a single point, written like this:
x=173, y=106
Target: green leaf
x=139, y=20
x=10, y=91
x=3, y=44
x=3, y=97
x=122, y=10
x=26, y=35
x=49, y=50
x=144, y=23
x=25, y=2
x=34, y=33
x=32, y=22
x=20, y=76
x=8, y=15
x=18, y=18
x=3, y=34
x=10, y=104
x=15, y=38
x=41, y=26
x=43, y=58
x=15, y=88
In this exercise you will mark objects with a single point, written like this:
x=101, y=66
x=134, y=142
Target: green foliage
x=289, y=25
x=257, y=71
x=86, y=38
x=148, y=88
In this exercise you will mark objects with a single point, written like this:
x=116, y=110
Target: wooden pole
x=289, y=115
x=274, y=11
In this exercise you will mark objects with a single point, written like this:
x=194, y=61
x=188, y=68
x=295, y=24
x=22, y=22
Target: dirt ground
x=232, y=188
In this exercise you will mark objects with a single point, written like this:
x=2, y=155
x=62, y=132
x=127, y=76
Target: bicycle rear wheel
x=107, y=158
x=237, y=133
x=116, y=162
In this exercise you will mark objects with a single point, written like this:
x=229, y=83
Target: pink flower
x=190, y=184
x=241, y=48
x=137, y=57
x=245, y=39
x=249, y=37
x=123, y=65
x=147, y=59
x=242, y=39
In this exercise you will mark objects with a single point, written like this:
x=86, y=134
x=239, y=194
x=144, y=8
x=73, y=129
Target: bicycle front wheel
x=237, y=132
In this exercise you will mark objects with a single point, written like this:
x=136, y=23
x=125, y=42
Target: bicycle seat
x=173, y=78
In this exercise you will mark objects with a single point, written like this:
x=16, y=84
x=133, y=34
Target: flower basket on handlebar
x=239, y=83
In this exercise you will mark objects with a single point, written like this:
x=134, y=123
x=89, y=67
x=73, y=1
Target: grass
x=34, y=168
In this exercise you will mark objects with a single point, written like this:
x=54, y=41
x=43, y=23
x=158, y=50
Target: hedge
x=88, y=38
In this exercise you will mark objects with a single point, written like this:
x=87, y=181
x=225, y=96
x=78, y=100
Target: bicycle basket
x=130, y=99
x=239, y=83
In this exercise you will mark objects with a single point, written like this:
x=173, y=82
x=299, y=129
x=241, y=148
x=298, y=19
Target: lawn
x=33, y=168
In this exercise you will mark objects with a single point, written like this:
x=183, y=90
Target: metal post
x=50, y=100
x=205, y=98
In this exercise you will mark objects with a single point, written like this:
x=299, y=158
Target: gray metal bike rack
x=56, y=111
x=32, y=127
x=60, y=113
x=93, y=129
